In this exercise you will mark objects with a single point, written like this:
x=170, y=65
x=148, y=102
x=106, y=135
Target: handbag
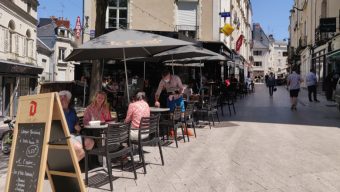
x=275, y=89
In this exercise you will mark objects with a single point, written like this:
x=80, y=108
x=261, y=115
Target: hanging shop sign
x=227, y=29
x=239, y=43
x=328, y=24
x=78, y=28
x=225, y=14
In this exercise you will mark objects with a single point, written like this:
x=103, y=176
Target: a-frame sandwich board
x=42, y=145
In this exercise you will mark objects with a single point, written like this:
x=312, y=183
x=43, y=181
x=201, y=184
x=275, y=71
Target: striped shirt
x=294, y=81
x=136, y=111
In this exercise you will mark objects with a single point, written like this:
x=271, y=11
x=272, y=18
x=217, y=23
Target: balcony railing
x=320, y=37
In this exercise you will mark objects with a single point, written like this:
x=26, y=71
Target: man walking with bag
x=271, y=83
x=311, y=82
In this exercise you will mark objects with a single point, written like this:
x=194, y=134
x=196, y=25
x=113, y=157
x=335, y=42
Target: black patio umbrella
x=122, y=44
x=184, y=52
x=214, y=57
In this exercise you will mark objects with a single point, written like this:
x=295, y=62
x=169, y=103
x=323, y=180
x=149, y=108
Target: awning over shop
x=334, y=55
x=9, y=67
x=217, y=47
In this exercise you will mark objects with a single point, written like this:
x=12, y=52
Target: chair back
x=149, y=126
x=176, y=116
x=189, y=110
x=117, y=134
x=212, y=103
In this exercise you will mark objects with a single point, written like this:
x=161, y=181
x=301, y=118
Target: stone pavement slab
x=266, y=147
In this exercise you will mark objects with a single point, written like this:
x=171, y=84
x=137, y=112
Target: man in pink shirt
x=137, y=109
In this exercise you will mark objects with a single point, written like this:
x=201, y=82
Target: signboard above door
x=328, y=24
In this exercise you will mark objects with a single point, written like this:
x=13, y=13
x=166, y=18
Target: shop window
x=117, y=14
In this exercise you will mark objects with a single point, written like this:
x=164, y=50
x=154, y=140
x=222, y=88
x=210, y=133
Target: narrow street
x=264, y=147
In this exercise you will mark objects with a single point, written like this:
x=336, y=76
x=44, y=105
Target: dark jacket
x=271, y=81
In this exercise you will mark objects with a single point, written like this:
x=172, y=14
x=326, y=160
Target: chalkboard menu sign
x=27, y=157
x=41, y=145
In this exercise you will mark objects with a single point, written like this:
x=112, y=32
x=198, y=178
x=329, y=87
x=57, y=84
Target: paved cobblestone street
x=265, y=147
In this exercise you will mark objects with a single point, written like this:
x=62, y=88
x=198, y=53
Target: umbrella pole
x=172, y=60
x=101, y=87
x=126, y=78
x=144, y=70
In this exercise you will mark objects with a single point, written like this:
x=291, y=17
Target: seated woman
x=98, y=110
x=72, y=123
x=137, y=109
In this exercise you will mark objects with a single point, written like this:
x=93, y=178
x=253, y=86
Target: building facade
x=241, y=39
x=18, y=64
x=55, y=33
x=44, y=60
x=278, y=57
x=195, y=19
x=261, y=52
x=314, y=37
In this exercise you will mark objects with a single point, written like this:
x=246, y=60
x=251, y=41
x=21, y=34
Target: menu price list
x=27, y=157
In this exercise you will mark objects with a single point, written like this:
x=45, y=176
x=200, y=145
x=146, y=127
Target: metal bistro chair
x=174, y=123
x=210, y=110
x=189, y=118
x=226, y=99
x=148, y=126
x=116, y=135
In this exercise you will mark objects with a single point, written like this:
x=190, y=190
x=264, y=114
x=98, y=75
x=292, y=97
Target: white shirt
x=311, y=79
x=294, y=80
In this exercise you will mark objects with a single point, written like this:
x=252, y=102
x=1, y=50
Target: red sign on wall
x=33, y=108
x=78, y=28
x=239, y=43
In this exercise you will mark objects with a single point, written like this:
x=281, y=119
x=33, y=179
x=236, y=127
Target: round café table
x=158, y=110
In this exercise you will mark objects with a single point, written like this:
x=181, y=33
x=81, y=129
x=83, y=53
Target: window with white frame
x=116, y=14
x=61, y=55
x=4, y=39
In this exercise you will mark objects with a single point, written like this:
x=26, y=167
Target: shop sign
x=78, y=27
x=92, y=33
x=225, y=14
x=227, y=29
x=239, y=43
x=328, y=24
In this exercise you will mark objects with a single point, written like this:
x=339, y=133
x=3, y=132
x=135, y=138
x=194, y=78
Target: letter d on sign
x=33, y=108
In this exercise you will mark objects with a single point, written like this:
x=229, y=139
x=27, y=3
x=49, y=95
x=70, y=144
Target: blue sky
x=271, y=14
x=69, y=9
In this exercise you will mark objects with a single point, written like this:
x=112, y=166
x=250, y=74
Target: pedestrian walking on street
x=293, y=82
x=266, y=79
x=271, y=82
x=311, y=82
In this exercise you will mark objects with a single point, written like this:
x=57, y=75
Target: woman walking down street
x=293, y=82
x=271, y=82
